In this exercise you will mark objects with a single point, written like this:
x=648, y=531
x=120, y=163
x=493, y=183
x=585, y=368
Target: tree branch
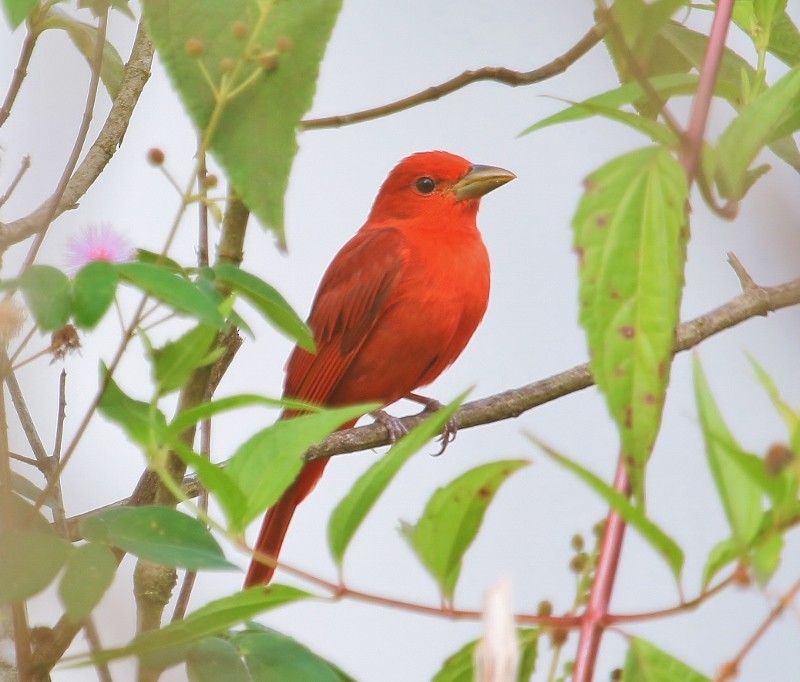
x=498, y=74
x=136, y=73
x=756, y=301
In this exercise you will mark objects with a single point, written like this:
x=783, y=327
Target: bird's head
x=436, y=186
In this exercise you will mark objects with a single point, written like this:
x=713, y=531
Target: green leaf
x=722, y=554
x=632, y=515
x=18, y=10
x=273, y=656
x=214, y=659
x=265, y=466
x=211, y=619
x=143, y=422
x=268, y=302
x=354, y=507
x=187, y=418
x=24, y=487
x=159, y=534
x=452, y=518
x=784, y=40
x=94, y=289
x=789, y=416
x=755, y=127
x=740, y=498
x=666, y=86
x=48, y=293
x=84, y=37
x=31, y=559
x=460, y=667
x=90, y=572
x=168, y=287
x=174, y=362
x=767, y=558
x=161, y=261
x=254, y=133
x=630, y=233
x=646, y=663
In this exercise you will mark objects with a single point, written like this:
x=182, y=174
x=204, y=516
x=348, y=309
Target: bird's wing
x=351, y=297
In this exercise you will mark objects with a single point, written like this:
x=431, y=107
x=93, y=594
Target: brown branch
x=20, y=72
x=758, y=301
x=136, y=73
x=498, y=74
x=24, y=165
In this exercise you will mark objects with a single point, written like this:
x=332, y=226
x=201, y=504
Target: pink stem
x=597, y=609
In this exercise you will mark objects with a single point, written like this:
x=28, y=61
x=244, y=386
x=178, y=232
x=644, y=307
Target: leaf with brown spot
x=639, y=257
x=452, y=519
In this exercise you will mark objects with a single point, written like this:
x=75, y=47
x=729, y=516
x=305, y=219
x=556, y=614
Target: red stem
x=593, y=620
x=595, y=617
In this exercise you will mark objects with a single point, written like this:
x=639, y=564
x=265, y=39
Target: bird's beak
x=481, y=180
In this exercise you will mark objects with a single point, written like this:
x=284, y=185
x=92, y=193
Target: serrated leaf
x=354, y=507
x=48, y=293
x=268, y=301
x=759, y=122
x=213, y=618
x=273, y=656
x=215, y=659
x=452, y=518
x=631, y=234
x=84, y=37
x=94, y=289
x=159, y=534
x=740, y=497
x=162, y=283
x=18, y=10
x=646, y=663
x=31, y=559
x=90, y=572
x=460, y=667
x=254, y=134
x=174, y=362
x=143, y=423
x=632, y=515
x=267, y=463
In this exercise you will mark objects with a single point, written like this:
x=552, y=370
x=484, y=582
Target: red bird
x=395, y=308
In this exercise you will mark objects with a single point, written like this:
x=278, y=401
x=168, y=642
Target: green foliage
x=174, y=362
x=142, y=421
x=630, y=236
x=84, y=37
x=159, y=534
x=215, y=659
x=268, y=302
x=48, y=294
x=18, y=10
x=631, y=514
x=31, y=559
x=646, y=663
x=90, y=571
x=246, y=72
x=93, y=291
x=452, y=518
x=211, y=619
x=460, y=667
x=348, y=515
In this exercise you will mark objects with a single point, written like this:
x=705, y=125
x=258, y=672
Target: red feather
x=395, y=308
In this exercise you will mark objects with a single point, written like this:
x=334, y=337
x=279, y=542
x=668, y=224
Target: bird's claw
x=393, y=425
x=448, y=436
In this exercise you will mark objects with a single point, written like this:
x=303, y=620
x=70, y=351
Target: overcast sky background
x=381, y=52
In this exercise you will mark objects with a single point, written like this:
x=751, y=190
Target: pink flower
x=98, y=243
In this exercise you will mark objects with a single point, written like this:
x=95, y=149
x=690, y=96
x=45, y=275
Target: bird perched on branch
x=395, y=308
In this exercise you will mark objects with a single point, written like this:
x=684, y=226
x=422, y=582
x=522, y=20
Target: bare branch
x=20, y=72
x=498, y=74
x=137, y=71
x=24, y=165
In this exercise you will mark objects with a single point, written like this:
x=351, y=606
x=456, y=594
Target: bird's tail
x=276, y=522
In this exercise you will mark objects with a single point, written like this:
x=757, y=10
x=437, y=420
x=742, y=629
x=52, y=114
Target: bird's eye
x=426, y=185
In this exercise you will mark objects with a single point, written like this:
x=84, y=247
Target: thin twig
x=95, y=647
x=136, y=73
x=516, y=401
x=731, y=668
x=487, y=73
x=23, y=168
x=20, y=72
x=62, y=414
x=80, y=141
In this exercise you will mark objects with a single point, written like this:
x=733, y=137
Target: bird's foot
x=432, y=405
x=393, y=425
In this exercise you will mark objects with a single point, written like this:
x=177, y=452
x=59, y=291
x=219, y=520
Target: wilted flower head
x=98, y=243
x=12, y=315
x=497, y=653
